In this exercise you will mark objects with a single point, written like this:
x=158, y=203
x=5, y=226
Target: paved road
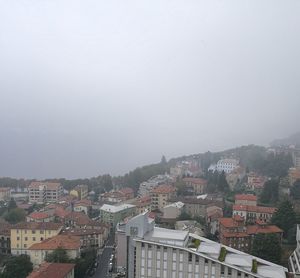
x=102, y=270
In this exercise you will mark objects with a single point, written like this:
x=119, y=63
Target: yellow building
x=39, y=251
x=160, y=196
x=24, y=235
x=80, y=192
x=4, y=194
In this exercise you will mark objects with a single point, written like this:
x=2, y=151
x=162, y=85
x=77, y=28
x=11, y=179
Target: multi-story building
x=255, y=182
x=80, y=191
x=296, y=158
x=235, y=177
x=43, y=192
x=149, y=251
x=294, y=259
x=83, y=205
x=117, y=196
x=198, y=185
x=143, y=204
x=5, y=194
x=89, y=238
x=39, y=251
x=25, y=234
x=234, y=232
x=51, y=270
x=147, y=186
x=227, y=165
x=5, y=238
x=160, y=196
x=112, y=215
x=293, y=175
x=254, y=213
x=196, y=206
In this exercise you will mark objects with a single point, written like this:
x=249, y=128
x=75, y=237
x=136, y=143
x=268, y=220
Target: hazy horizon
x=93, y=87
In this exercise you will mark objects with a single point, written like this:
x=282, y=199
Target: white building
x=149, y=251
x=147, y=186
x=294, y=259
x=42, y=192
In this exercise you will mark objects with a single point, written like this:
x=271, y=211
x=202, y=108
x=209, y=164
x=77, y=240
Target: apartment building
x=25, y=234
x=39, y=251
x=160, y=196
x=149, y=251
x=83, y=205
x=142, y=204
x=293, y=175
x=112, y=215
x=172, y=211
x=5, y=194
x=51, y=270
x=44, y=192
x=80, y=191
x=196, y=206
x=5, y=238
x=255, y=181
x=246, y=199
x=294, y=259
x=147, y=186
x=198, y=185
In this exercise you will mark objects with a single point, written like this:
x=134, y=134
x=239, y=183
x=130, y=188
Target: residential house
x=80, y=191
x=255, y=181
x=213, y=213
x=39, y=251
x=235, y=177
x=83, y=205
x=25, y=234
x=118, y=196
x=53, y=270
x=160, y=196
x=43, y=192
x=147, y=186
x=198, y=185
x=293, y=175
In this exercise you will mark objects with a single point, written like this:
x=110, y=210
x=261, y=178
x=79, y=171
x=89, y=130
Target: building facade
x=160, y=196
x=51, y=270
x=149, y=251
x=5, y=194
x=197, y=184
x=25, y=234
x=43, y=192
x=80, y=191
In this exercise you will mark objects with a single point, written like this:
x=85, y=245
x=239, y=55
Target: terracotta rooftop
x=230, y=222
x=82, y=232
x=52, y=270
x=126, y=190
x=196, y=180
x=83, y=202
x=49, y=185
x=38, y=226
x=38, y=215
x=66, y=242
x=246, y=197
x=143, y=201
x=257, y=209
x=164, y=189
x=3, y=189
x=263, y=229
x=79, y=218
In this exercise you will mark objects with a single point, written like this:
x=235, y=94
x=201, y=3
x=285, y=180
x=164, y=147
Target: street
x=102, y=270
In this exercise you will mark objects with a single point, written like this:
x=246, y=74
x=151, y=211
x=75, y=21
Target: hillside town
x=227, y=219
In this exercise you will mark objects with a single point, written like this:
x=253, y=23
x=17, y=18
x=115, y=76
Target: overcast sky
x=91, y=87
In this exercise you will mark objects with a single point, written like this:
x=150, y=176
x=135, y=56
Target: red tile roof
x=4, y=189
x=66, y=242
x=52, y=270
x=164, y=189
x=126, y=190
x=263, y=229
x=83, y=202
x=79, y=218
x=234, y=234
x=38, y=215
x=246, y=197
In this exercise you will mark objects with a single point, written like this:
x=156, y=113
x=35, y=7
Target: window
x=18, y=238
x=33, y=231
x=41, y=232
x=33, y=239
x=25, y=245
x=26, y=238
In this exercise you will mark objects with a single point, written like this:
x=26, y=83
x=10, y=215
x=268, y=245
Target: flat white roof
x=176, y=205
x=209, y=248
x=240, y=260
x=168, y=234
x=114, y=209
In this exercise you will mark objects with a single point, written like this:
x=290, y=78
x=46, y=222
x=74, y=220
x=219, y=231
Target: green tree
x=59, y=255
x=15, y=215
x=222, y=182
x=267, y=247
x=270, y=192
x=284, y=217
x=295, y=190
x=11, y=204
x=163, y=160
x=17, y=267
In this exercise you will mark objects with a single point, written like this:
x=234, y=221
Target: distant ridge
x=291, y=140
